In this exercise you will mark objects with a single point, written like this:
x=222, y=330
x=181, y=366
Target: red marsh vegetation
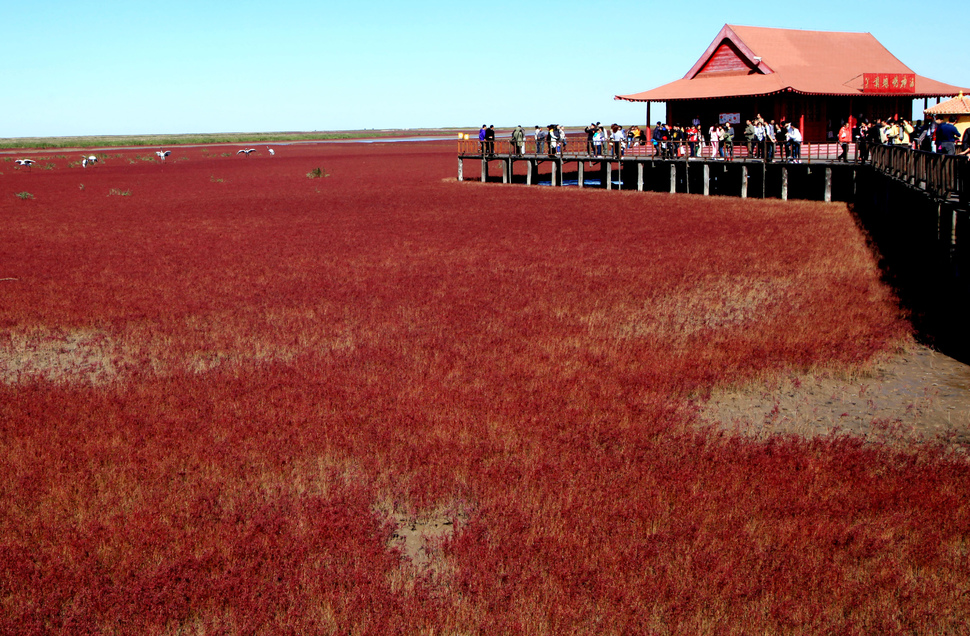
x=237, y=399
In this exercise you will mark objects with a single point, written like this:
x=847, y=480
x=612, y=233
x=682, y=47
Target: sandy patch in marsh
x=918, y=393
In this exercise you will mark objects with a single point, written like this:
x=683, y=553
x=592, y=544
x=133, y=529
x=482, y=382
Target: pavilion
x=816, y=79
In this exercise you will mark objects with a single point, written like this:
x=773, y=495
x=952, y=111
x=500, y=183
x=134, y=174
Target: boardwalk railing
x=576, y=146
x=942, y=176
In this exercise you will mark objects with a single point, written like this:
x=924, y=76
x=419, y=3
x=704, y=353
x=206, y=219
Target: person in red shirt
x=845, y=137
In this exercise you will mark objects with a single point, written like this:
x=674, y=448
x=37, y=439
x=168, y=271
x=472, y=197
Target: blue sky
x=90, y=68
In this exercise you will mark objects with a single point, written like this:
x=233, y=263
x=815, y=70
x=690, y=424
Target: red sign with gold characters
x=889, y=82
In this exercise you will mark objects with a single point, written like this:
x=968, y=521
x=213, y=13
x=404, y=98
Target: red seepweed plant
x=224, y=404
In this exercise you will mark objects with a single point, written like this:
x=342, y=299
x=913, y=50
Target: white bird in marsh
x=86, y=160
x=25, y=162
x=246, y=151
x=162, y=154
x=271, y=151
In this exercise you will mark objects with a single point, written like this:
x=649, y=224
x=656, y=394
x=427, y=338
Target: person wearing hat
x=518, y=140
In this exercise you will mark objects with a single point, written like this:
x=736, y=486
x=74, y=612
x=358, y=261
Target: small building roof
x=959, y=105
x=756, y=61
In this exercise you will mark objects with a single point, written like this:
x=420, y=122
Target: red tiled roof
x=956, y=106
x=749, y=61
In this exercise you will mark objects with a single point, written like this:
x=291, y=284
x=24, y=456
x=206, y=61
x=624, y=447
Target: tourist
x=795, y=139
x=490, y=140
x=692, y=140
x=598, y=138
x=903, y=138
x=946, y=135
x=481, y=138
x=770, y=141
x=617, y=137
x=727, y=141
x=862, y=146
x=965, y=144
x=552, y=140
x=676, y=141
x=561, y=138
x=781, y=142
x=714, y=134
x=590, y=133
x=633, y=135
x=655, y=137
x=518, y=140
x=749, y=137
x=759, y=137
x=845, y=137
x=540, y=136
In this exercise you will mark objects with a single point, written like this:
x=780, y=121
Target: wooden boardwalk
x=825, y=181
x=819, y=176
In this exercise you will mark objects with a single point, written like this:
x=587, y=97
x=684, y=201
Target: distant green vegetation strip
x=201, y=138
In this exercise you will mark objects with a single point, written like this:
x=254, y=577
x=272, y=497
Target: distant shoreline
x=112, y=141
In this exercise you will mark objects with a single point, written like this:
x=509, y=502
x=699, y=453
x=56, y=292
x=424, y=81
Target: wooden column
x=609, y=175
x=506, y=169
x=673, y=177
x=484, y=169
x=580, y=171
x=528, y=171
x=461, y=172
x=744, y=182
x=552, y=174
x=828, y=185
x=939, y=221
x=784, y=183
x=953, y=229
x=639, y=176
x=707, y=179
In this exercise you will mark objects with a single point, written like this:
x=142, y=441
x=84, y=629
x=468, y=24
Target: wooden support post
x=939, y=221
x=528, y=171
x=673, y=177
x=784, y=183
x=552, y=174
x=581, y=172
x=639, y=177
x=744, y=182
x=506, y=169
x=560, y=169
x=707, y=179
x=609, y=175
x=828, y=185
x=461, y=171
x=953, y=229
x=484, y=169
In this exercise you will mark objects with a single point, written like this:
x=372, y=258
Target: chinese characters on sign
x=730, y=118
x=889, y=82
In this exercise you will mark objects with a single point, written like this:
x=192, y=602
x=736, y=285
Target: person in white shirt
x=795, y=139
x=618, y=138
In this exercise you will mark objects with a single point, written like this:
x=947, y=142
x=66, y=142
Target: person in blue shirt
x=946, y=136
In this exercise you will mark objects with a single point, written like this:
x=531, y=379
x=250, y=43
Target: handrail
x=941, y=176
x=576, y=147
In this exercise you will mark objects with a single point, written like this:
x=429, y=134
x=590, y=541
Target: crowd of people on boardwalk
x=765, y=140
x=937, y=134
